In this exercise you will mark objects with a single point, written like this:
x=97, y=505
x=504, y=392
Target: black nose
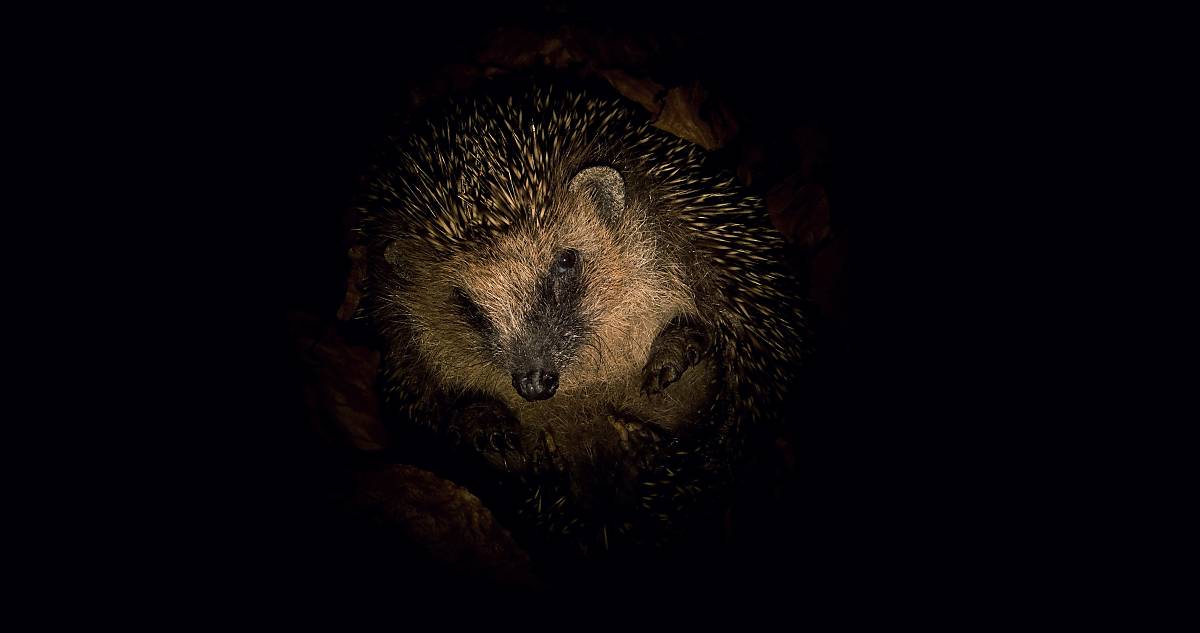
x=537, y=384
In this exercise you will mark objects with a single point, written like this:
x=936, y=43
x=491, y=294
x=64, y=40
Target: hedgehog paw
x=679, y=347
x=491, y=431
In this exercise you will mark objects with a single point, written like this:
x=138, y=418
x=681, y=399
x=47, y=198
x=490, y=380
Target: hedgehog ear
x=605, y=186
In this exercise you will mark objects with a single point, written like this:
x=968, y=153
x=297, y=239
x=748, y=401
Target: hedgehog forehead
x=511, y=256
x=504, y=270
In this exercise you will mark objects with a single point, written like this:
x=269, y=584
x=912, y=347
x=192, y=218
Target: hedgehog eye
x=566, y=261
x=470, y=310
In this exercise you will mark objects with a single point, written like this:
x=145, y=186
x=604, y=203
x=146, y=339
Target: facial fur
x=511, y=303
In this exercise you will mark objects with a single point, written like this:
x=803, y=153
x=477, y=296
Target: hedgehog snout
x=535, y=384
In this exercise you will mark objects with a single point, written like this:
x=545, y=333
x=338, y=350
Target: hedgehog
x=580, y=305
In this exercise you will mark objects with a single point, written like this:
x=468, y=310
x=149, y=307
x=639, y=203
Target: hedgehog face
x=534, y=327
x=564, y=302
x=533, y=301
